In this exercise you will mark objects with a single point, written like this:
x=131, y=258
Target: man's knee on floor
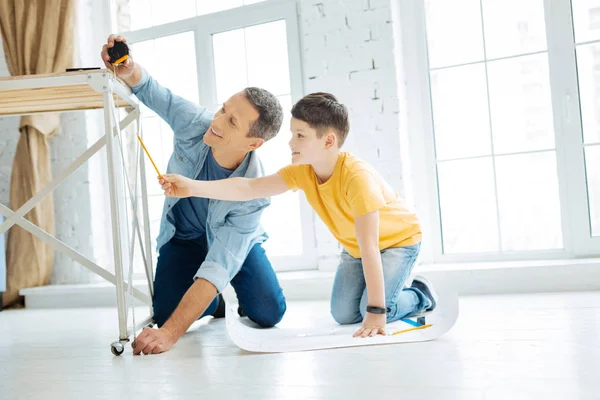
x=269, y=314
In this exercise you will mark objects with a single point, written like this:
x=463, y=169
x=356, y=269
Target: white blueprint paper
x=309, y=326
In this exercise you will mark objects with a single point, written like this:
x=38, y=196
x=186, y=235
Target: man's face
x=230, y=126
x=305, y=145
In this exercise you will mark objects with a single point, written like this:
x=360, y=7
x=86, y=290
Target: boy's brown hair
x=321, y=111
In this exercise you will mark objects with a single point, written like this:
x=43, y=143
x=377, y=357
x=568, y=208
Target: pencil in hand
x=149, y=156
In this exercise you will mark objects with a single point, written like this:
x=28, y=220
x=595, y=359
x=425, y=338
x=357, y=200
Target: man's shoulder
x=254, y=168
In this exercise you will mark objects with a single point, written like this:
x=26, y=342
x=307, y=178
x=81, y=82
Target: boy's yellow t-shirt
x=355, y=189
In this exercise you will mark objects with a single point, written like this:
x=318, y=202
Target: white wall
x=8, y=143
x=348, y=49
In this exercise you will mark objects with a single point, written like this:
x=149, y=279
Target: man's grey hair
x=270, y=112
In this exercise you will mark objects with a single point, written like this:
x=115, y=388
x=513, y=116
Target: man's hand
x=153, y=341
x=373, y=324
x=176, y=185
x=128, y=71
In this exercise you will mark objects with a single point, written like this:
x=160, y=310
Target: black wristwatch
x=377, y=310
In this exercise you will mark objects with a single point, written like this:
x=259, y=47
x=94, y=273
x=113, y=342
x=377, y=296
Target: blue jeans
x=349, y=296
x=255, y=284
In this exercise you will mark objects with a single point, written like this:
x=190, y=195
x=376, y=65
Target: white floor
x=544, y=346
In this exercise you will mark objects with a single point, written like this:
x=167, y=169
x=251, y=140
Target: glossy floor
x=539, y=346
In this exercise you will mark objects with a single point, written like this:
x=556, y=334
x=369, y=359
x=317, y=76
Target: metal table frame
x=87, y=90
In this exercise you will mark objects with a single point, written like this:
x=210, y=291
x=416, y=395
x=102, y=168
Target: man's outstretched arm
x=189, y=121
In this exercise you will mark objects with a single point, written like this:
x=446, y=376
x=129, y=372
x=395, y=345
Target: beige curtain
x=37, y=36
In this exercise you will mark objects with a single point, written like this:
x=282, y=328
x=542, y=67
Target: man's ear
x=255, y=143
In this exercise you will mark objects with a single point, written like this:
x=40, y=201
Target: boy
x=381, y=238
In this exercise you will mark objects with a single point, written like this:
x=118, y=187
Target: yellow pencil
x=149, y=156
x=411, y=329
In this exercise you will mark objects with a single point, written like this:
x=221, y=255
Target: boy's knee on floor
x=344, y=316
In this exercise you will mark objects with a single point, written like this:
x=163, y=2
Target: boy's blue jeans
x=256, y=284
x=349, y=296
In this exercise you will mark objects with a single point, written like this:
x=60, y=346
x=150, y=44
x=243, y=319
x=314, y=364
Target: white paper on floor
x=309, y=326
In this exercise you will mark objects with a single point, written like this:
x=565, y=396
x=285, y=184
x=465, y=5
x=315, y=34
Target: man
x=204, y=244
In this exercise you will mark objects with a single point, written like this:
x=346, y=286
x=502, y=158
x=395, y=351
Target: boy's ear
x=330, y=140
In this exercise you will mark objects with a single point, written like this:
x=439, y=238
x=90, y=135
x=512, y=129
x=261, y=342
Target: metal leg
x=115, y=211
x=148, y=240
x=117, y=347
x=134, y=230
x=131, y=187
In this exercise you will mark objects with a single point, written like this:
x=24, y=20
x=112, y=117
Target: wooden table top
x=65, y=91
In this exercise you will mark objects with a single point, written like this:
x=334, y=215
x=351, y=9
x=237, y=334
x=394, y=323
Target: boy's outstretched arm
x=232, y=189
x=367, y=234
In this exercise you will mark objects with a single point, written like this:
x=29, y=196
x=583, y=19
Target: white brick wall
x=81, y=203
x=348, y=50
x=8, y=142
x=71, y=199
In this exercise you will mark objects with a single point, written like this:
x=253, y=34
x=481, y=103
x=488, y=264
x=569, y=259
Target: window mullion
x=567, y=124
x=205, y=66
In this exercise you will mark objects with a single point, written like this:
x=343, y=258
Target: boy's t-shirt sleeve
x=292, y=175
x=364, y=194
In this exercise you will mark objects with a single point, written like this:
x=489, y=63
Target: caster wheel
x=117, y=348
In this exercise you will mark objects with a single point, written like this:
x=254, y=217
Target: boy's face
x=305, y=145
x=231, y=124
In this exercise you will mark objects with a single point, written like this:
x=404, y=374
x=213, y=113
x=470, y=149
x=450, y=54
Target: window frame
x=203, y=27
x=576, y=229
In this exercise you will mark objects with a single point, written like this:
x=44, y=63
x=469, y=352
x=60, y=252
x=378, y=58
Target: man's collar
x=251, y=167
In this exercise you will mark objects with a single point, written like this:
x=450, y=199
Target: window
x=149, y=13
x=158, y=136
x=510, y=166
x=586, y=20
x=218, y=55
x=257, y=56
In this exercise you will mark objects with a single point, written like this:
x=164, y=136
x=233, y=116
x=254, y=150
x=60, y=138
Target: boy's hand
x=373, y=324
x=176, y=185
